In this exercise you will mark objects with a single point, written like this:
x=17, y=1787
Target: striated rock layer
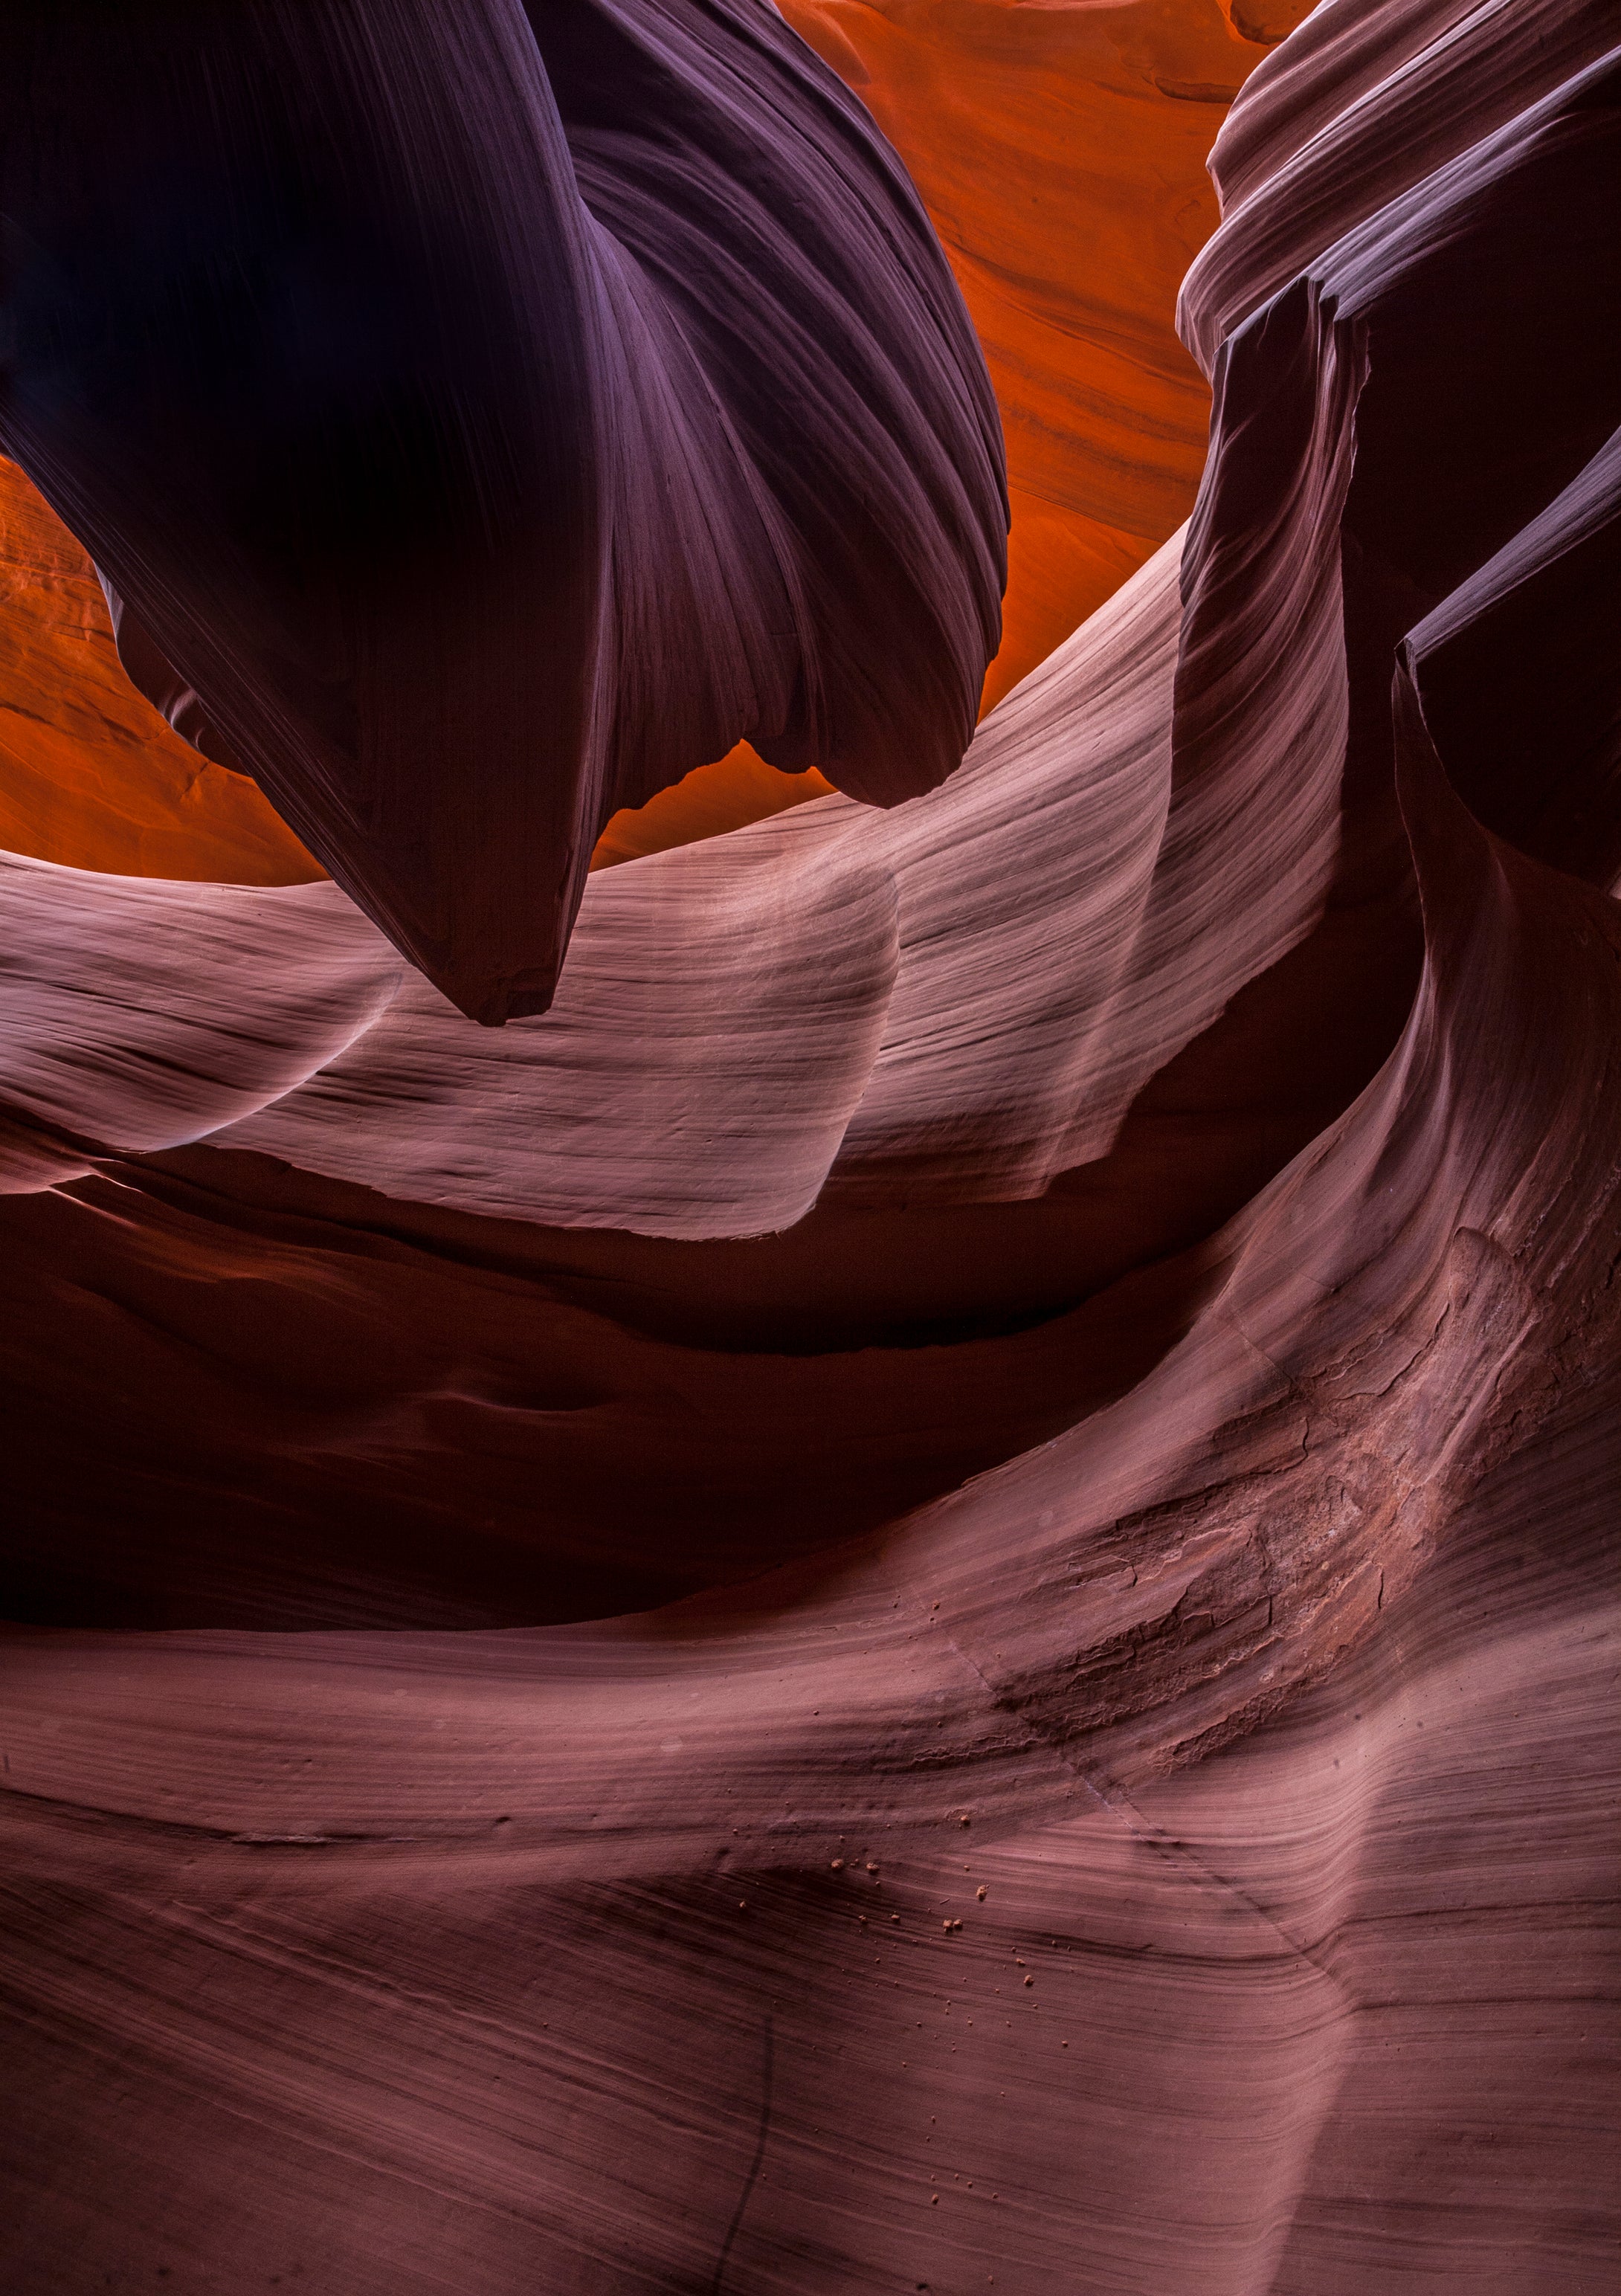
x=90, y=774
x=1060, y=155
x=482, y=420
x=1061, y=152
x=1012, y=1402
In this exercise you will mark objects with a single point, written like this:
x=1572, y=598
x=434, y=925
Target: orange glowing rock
x=1060, y=153
x=737, y=787
x=90, y=774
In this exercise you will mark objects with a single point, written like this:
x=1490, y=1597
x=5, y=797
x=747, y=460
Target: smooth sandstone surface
x=1060, y=155
x=489, y=420
x=1061, y=152
x=922, y=1595
x=92, y=776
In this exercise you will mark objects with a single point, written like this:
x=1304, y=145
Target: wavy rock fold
x=922, y=1593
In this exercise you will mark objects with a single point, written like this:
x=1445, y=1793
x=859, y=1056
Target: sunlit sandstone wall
x=90, y=774
x=1061, y=152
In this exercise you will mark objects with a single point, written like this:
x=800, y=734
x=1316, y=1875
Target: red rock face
x=922, y=1595
x=1060, y=154
x=90, y=774
x=486, y=423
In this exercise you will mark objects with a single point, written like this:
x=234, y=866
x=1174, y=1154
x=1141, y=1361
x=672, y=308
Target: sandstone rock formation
x=922, y=1595
x=491, y=419
x=1060, y=153
x=89, y=771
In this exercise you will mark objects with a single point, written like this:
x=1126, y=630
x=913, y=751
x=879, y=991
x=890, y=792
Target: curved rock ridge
x=1060, y=153
x=1504, y=668
x=1106, y=115
x=1110, y=115
x=1367, y=101
x=477, y=497
x=1034, y=1699
x=90, y=774
x=841, y=954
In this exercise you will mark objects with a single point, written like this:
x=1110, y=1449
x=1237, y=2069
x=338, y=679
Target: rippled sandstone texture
x=490, y=418
x=1061, y=154
x=1057, y=1342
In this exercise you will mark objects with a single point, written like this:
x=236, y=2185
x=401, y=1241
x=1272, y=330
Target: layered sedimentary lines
x=960, y=1520
x=1061, y=154
x=90, y=774
x=484, y=423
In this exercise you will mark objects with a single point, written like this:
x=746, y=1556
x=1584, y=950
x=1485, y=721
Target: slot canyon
x=810, y=1147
